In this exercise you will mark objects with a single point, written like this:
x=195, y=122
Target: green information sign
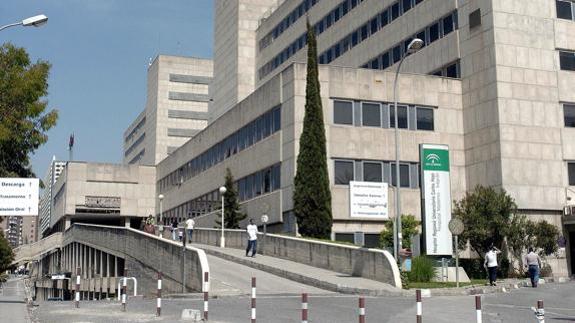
x=435, y=159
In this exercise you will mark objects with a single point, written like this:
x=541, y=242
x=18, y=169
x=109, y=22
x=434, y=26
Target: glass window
x=373, y=25
x=354, y=38
x=336, y=14
x=276, y=177
x=567, y=61
x=343, y=112
x=401, y=117
x=564, y=10
x=267, y=180
x=421, y=35
x=447, y=24
x=384, y=18
x=374, y=64
x=403, y=174
x=569, y=115
x=372, y=172
x=571, y=170
x=364, y=32
x=396, y=54
x=258, y=184
x=425, y=119
x=394, y=11
x=452, y=71
x=406, y=5
x=371, y=114
x=343, y=172
x=433, y=33
x=385, y=60
x=277, y=115
x=249, y=187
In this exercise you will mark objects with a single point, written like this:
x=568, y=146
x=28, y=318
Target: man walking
x=252, y=231
x=190, y=227
x=533, y=263
x=491, y=264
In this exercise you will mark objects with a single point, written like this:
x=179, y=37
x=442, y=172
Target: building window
x=343, y=112
x=565, y=9
x=371, y=114
x=372, y=172
x=571, y=170
x=401, y=117
x=403, y=175
x=567, y=60
x=343, y=172
x=569, y=115
x=425, y=119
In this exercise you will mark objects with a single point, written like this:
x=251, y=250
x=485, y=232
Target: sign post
x=368, y=200
x=436, y=191
x=456, y=228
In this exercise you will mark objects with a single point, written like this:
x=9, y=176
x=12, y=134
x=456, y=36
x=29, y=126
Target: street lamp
x=161, y=198
x=223, y=239
x=415, y=45
x=35, y=21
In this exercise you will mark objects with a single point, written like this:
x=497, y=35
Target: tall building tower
x=46, y=207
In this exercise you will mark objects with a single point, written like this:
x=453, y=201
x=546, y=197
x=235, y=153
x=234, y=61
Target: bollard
x=478, y=308
x=361, y=310
x=304, y=308
x=253, y=300
x=206, y=280
x=159, y=300
x=78, y=287
x=124, y=288
x=418, y=300
x=540, y=311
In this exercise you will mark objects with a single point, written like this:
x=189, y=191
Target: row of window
x=565, y=9
x=567, y=60
x=376, y=171
x=375, y=114
x=289, y=20
x=430, y=34
x=452, y=70
x=569, y=115
x=393, y=12
x=255, y=131
x=138, y=157
x=368, y=29
x=135, y=144
x=571, y=173
x=134, y=131
x=262, y=182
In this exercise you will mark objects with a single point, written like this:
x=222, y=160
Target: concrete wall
x=368, y=263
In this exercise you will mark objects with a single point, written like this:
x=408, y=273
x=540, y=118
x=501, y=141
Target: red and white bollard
x=418, y=300
x=478, y=308
x=540, y=311
x=159, y=299
x=304, y=308
x=206, y=280
x=77, y=287
x=253, y=300
x=124, y=289
x=361, y=310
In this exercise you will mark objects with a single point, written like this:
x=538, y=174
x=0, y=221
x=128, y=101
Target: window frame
x=570, y=181
x=392, y=122
x=341, y=160
x=417, y=108
x=381, y=170
x=572, y=6
x=380, y=124
x=565, y=123
x=352, y=113
x=563, y=52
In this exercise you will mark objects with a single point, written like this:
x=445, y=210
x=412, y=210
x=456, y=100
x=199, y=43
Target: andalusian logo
x=433, y=159
x=436, y=160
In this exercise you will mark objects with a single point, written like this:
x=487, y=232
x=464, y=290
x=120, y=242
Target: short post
x=540, y=311
x=124, y=289
x=206, y=280
x=478, y=308
x=253, y=300
x=159, y=299
x=456, y=261
x=184, y=240
x=304, y=308
x=78, y=287
x=418, y=300
x=361, y=309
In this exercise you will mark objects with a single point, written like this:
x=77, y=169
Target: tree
x=409, y=227
x=6, y=253
x=312, y=195
x=486, y=213
x=232, y=214
x=23, y=119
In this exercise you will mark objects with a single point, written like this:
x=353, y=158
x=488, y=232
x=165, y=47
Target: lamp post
x=222, y=239
x=35, y=21
x=161, y=198
x=415, y=45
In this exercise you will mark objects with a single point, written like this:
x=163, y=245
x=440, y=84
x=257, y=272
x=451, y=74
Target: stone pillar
x=127, y=221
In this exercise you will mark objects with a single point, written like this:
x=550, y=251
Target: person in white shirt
x=533, y=262
x=491, y=264
x=190, y=227
x=252, y=231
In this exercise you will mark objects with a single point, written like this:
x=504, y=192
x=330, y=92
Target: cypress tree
x=312, y=195
x=232, y=214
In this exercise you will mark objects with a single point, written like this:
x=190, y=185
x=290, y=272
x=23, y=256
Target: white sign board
x=19, y=196
x=368, y=200
x=437, y=199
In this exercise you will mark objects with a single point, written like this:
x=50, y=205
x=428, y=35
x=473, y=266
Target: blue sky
x=99, y=51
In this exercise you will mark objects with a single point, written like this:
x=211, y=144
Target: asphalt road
x=280, y=306
x=12, y=305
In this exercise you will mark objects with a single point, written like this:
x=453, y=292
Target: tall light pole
x=161, y=198
x=35, y=21
x=222, y=239
x=415, y=45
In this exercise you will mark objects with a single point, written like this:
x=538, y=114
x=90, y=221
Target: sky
x=99, y=51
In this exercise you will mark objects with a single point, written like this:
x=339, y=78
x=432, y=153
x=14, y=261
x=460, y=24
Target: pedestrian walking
x=252, y=231
x=149, y=226
x=190, y=227
x=174, y=229
x=491, y=264
x=533, y=265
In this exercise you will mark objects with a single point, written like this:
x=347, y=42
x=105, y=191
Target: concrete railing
x=146, y=254
x=373, y=264
x=32, y=251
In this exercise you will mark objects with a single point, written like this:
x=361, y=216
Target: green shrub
x=422, y=270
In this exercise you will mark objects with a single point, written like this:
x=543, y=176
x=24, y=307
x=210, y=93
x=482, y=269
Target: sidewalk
x=13, y=307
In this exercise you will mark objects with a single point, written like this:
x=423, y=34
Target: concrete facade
x=176, y=109
x=54, y=171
